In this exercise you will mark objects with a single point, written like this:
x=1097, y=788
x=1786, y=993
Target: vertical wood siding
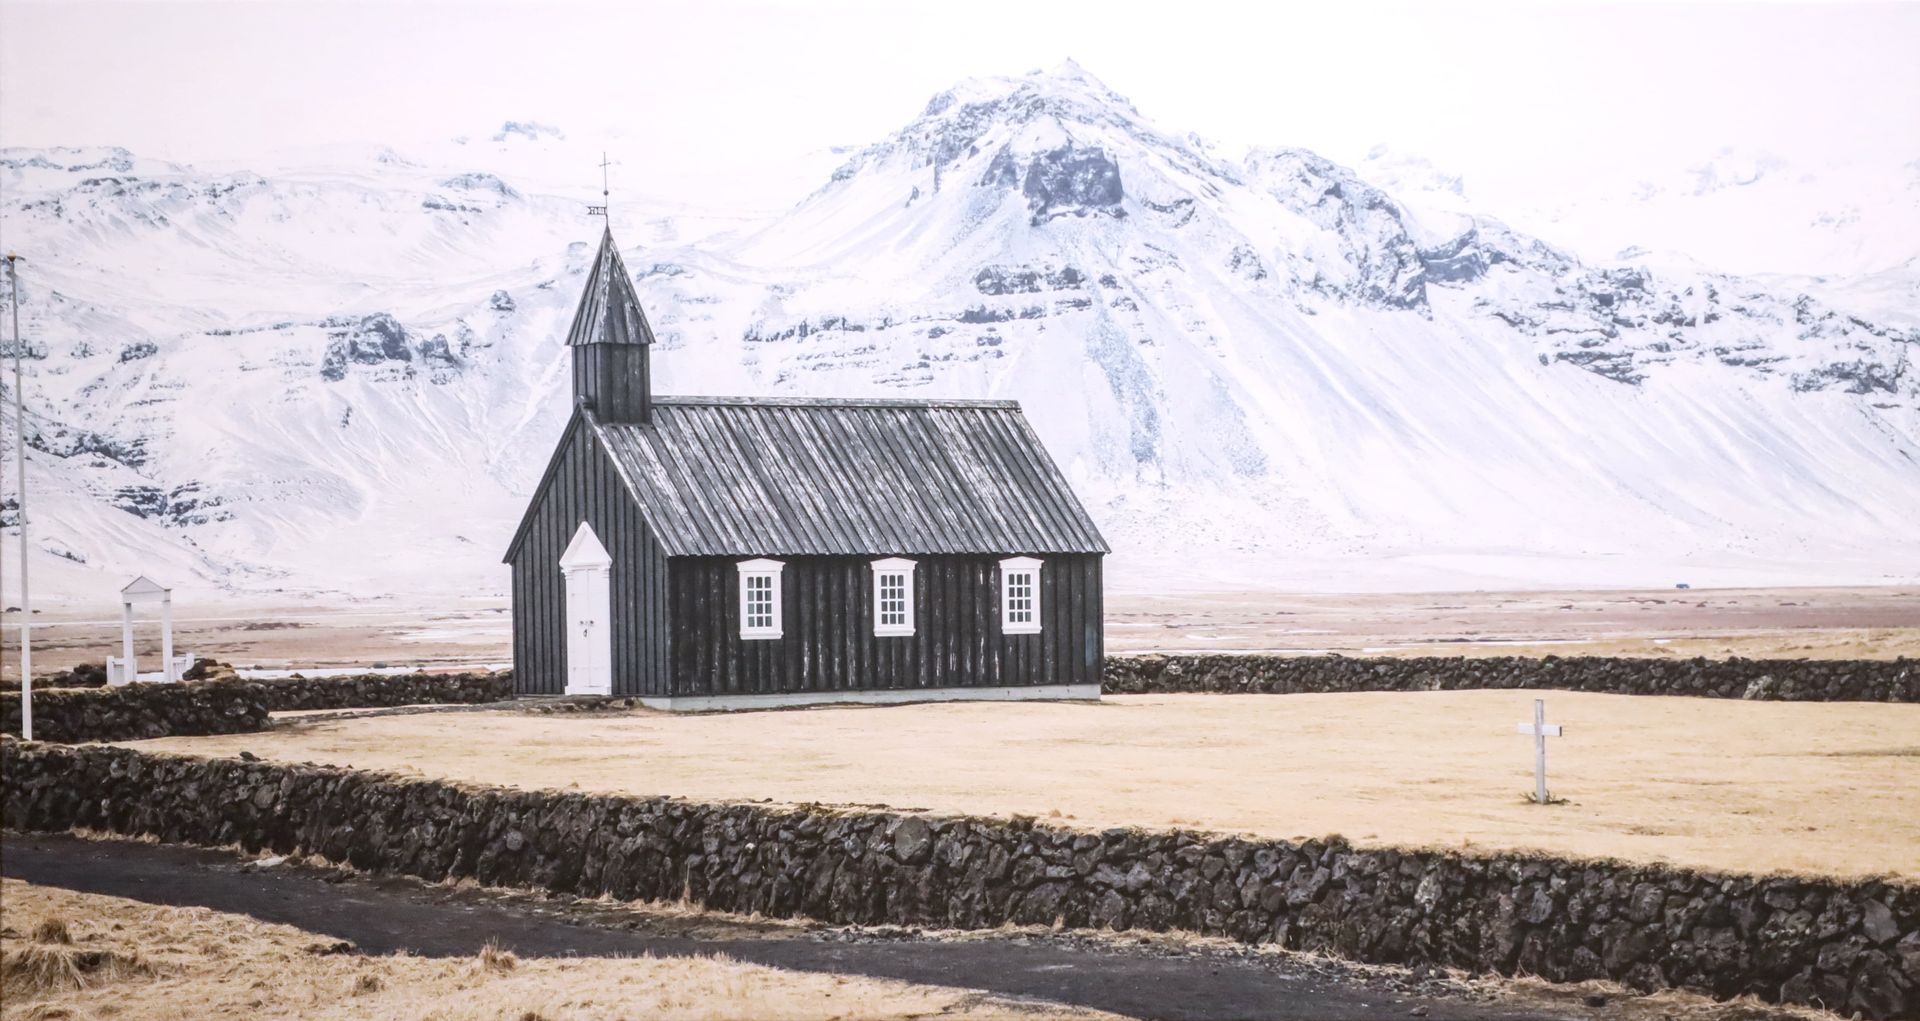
x=585, y=487
x=829, y=645
x=614, y=379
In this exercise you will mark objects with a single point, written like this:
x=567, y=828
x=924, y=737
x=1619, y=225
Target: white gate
x=589, y=614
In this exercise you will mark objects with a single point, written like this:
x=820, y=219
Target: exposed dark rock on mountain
x=1386, y=264
x=1072, y=180
x=64, y=442
x=478, y=181
x=1857, y=377
x=998, y=280
x=374, y=340
x=180, y=506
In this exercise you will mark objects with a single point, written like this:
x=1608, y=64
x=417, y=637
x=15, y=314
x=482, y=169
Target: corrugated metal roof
x=609, y=311
x=791, y=477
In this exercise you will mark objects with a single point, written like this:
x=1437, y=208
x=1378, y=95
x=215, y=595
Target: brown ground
x=1821, y=788
x=82, y=956
x=1822, y=623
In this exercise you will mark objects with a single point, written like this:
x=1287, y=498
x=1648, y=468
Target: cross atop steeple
x=605, y=193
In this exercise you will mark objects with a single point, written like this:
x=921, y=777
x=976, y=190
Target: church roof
x=730, y=476
x=609, y=311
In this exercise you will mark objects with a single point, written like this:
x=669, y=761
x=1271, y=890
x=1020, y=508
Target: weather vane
x=601, y=209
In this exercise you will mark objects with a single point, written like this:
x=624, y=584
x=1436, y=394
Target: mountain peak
x=1069, y=69
x=1044, y=108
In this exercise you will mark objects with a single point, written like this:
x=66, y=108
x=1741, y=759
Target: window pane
x=1019, y=597
x=891, y=596
x=759, y=602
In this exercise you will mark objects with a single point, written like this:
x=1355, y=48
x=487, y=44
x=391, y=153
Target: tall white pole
x=166, y=639
x=20, y=451
x=129, y=671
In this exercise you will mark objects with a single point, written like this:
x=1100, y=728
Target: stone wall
x=1788, y=680
x=1852, y=946
x=231, y=705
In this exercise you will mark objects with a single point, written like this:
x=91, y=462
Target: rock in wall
x=1854, y=946
x=1789, y=680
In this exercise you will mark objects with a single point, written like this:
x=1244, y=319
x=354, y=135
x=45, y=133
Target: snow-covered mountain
x=1259, y=369
x=1737, y=211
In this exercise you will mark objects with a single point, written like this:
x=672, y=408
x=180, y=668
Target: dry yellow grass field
x=1811, y=788
x=84, y=956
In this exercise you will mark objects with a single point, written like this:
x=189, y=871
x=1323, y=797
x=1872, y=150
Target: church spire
x=609, y=311
x=610, y=340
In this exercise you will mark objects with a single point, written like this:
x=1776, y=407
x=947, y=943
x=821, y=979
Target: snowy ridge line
x=1257, y=371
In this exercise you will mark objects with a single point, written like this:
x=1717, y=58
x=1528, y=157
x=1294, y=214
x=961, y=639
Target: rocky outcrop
x=1383, y=264
x=999, y=280
x=1780, y=680
x=1072, y=181
x=1854, y=946
x=226, y=704
x=374, y=340
x=185, y=504
x=480, y=181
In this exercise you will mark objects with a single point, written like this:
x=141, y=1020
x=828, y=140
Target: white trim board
x=737, y=703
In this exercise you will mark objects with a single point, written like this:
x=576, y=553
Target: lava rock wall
x=1852, y=946
x=231, y=705
x=1786, y=680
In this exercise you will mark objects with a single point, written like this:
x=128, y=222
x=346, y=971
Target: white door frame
x=588, y=614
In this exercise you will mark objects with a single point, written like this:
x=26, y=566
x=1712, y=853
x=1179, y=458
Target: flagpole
x=20, y=451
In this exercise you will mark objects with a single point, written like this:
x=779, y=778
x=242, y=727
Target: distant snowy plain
x=338, y=375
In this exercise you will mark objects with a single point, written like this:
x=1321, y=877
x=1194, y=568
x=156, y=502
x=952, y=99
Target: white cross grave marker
x=1541, y=730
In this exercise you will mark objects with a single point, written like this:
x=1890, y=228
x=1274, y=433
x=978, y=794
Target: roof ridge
x=740, y=476
x=837, y=402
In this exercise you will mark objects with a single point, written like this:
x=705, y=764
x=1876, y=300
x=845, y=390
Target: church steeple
x=610, y=340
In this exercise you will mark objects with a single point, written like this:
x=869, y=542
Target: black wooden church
x=726, y=552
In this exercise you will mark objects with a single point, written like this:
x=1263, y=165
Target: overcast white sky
x=1520, y=90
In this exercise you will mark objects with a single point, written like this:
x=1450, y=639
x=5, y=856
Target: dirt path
x=386, y=915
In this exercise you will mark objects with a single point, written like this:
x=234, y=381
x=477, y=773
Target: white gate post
x=126, y=640
x=166, y=639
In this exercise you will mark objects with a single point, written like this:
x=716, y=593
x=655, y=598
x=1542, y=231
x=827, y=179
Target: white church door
x=589, y=614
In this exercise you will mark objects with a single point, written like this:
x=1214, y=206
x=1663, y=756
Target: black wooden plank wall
x=614, y=378
x=586, y=487
x=828, y=642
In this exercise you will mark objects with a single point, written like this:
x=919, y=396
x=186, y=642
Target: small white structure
x=123, y=668
x=1540, y=730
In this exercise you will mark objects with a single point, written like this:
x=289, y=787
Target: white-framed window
x=1020, y=596
x=759, y=598
x=893, y=597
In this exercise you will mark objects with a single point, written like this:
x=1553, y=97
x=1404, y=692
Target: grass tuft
x=497, y=959
x=40, y=968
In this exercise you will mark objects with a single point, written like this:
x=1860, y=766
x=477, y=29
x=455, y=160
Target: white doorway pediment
x=585, y=552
